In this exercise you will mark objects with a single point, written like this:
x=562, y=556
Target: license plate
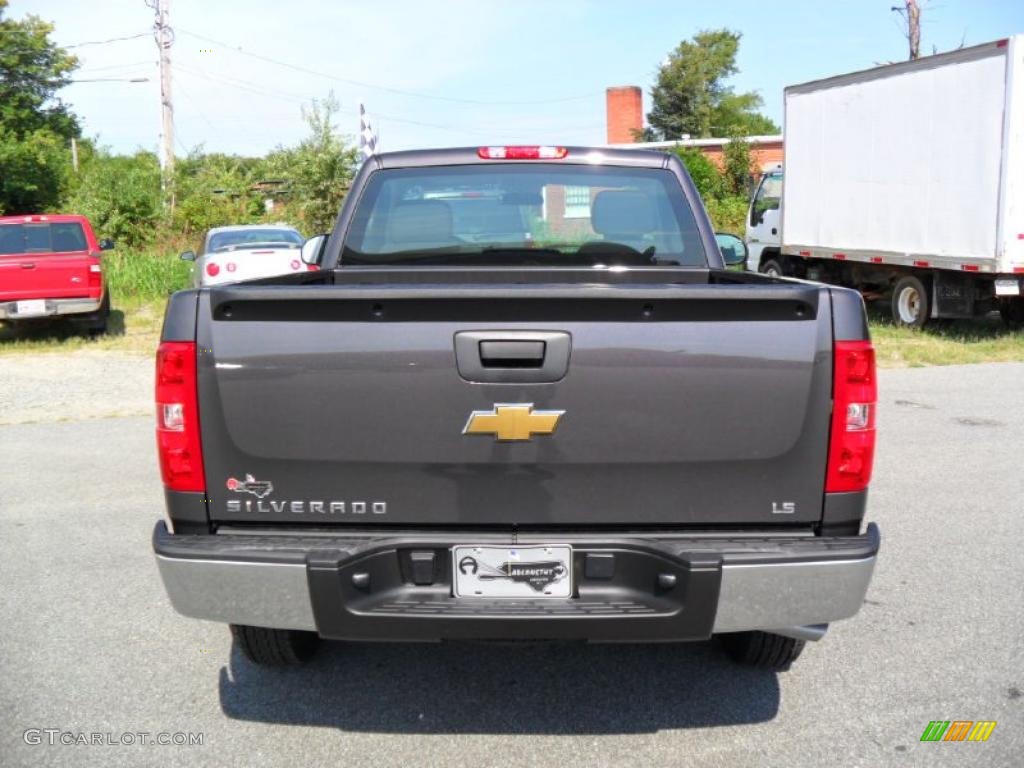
x=32, y=308
x=1006, y=287
x=522, y=572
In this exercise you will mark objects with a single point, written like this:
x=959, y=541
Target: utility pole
x=164, y=36
x=74, y=154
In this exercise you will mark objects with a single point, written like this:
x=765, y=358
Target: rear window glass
x=536, y=214
x=252, y=238
x=42, y=238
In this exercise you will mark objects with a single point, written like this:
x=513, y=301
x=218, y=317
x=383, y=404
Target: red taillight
x=212, y=269
x=95, y=275
x=177, y=417
x=312, y=268
x=522, y=153
x=851, y=447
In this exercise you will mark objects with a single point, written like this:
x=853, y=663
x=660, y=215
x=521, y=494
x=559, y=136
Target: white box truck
x=904, y=181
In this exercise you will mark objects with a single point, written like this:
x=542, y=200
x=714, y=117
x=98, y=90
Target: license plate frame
x=523, y=573
x=30, y=308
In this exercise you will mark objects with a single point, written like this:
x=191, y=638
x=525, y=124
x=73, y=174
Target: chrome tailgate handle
x=512, y=357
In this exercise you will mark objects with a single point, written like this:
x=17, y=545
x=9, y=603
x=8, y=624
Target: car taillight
x=177, y=417
x=95, y=275
x=522, y=153
x=851, y=447
x=212, y=269
x=312, y=268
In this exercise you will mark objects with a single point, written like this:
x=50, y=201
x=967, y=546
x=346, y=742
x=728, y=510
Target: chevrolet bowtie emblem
x=516, y=421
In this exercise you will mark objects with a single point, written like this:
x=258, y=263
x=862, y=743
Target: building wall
x=764, y=155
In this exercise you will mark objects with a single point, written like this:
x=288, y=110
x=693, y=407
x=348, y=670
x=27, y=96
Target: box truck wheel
x=773, y=268
x=274, y=647
x=911, y=304
x=1012, y=310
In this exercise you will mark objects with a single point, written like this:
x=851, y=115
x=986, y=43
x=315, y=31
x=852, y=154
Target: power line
x=111, y=80
x=385, y=89
x=127, y=65
x=261, y=90
x=110, y=40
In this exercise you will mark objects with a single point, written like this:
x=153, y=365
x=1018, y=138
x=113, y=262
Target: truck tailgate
x=334, y=405
x=44, y=276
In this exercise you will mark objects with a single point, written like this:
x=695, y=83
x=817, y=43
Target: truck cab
x=764, y=225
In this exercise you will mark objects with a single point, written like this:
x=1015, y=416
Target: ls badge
x=512, y=421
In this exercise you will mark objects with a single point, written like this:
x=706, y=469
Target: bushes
x=120, y=194
x=728, y=214
x=723, y=190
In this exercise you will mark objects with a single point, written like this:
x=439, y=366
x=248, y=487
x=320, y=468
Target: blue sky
x=456, y=72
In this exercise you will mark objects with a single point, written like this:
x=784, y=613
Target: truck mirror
x=188, y=256
x=106, y=244
x=734, y=250
x=313, y=249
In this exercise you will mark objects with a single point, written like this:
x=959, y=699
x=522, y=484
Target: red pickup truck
x=50, y=267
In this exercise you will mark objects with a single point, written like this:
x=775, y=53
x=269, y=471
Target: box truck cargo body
x=905, y=181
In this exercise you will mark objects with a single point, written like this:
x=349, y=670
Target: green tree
x=319, y=170
x=34, y=125
x=213, y=190
x=705, y=174
x=737, y=170
x=691, y=95
x=121, y=196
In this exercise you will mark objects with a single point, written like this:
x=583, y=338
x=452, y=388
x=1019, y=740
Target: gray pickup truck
x=522, y=398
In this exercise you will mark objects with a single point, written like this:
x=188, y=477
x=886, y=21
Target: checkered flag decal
x=367, y=138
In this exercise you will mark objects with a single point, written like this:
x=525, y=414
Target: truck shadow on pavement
x=488, y=688
x=59, y=330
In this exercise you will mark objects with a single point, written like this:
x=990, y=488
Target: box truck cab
x=903, y=182
x=764, y=225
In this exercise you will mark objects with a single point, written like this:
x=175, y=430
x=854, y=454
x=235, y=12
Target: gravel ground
x=88, y=642
x=81, y=385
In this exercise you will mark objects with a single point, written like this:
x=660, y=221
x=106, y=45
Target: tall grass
x=145, y=274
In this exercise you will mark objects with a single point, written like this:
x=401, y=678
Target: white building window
x=577, y=202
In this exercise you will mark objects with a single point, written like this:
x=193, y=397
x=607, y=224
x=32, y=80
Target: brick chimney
x=625, y=106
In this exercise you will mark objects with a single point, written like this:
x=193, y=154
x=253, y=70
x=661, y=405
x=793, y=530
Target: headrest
x=622, y=212
x=423, y=221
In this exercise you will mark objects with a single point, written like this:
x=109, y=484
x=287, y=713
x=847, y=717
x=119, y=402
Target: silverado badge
x=258, y=488
x=512, y=421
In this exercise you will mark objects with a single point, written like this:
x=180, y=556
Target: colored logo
x=958, y=730
x=258, y=488
x=513, y=421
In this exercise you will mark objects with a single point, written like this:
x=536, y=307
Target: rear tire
x=763, y=649
x=1012, y=311
x=773, y=268
x=98, y=324
x=911, y=303
x=274, y=647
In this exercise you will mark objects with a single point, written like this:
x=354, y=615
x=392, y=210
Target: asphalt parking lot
x=88, y=642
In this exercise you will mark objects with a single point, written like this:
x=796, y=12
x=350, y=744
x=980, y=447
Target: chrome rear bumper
x=82, y=306
x=791, y=586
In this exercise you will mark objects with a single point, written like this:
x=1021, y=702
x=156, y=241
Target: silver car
x=245, y=252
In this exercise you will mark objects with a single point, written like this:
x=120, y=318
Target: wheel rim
x=909, y=305
x=773, y=271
